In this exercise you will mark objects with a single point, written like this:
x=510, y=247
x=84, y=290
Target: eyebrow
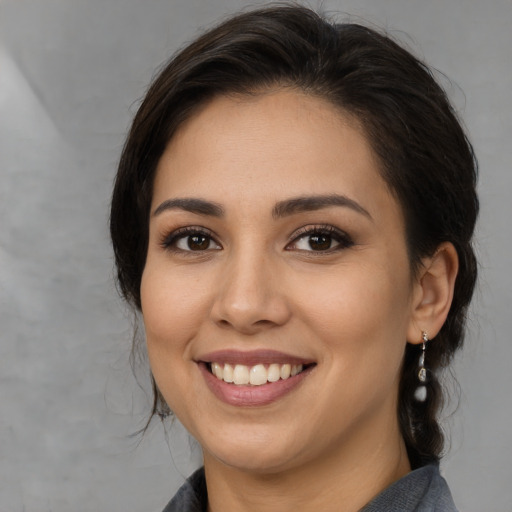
x=193, y=205
x=312, y=203
x=281, y=209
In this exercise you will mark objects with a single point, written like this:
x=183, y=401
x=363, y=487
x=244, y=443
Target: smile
x=256, y=375
x=253, y=378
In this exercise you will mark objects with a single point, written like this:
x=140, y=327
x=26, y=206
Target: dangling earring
x=421, y=391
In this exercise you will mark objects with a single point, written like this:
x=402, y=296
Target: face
x=276, y=294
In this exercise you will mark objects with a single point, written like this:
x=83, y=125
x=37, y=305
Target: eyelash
x=343, y=240
x=169, y=241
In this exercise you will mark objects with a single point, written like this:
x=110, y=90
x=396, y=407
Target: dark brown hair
x=425, y=156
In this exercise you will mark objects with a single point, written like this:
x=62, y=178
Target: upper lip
x=252, y=357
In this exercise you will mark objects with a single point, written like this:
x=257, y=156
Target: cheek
x=363, y=312
x=172, y=303
x=170, y=311
x=361, y=320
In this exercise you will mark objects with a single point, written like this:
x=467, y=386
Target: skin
x=258, y=284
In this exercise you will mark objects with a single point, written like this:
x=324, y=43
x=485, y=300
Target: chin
x=254, y=461
x=252, y=453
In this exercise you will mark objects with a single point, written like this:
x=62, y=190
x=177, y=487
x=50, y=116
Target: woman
x=293, y=215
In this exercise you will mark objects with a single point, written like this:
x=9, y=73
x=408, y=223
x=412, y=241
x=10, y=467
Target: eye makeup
x=322, y=238
x=189, y=239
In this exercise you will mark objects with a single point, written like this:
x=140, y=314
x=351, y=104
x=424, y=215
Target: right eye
x=190, y=240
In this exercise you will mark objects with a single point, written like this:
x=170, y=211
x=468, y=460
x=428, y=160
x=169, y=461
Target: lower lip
x=247, y=396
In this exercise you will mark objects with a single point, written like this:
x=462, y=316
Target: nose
x=250, y=297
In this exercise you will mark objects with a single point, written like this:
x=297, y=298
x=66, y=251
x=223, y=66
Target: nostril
x=263, y=322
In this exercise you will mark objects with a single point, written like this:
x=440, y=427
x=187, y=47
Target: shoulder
x=191, y=496
x=422, y=490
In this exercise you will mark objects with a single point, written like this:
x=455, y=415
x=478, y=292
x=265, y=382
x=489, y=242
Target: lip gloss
x=250, y=396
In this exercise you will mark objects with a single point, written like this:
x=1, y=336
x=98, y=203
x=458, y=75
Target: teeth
x=240, y=374
x=258, y=375
x=274, y=373
x=228, y=373
x=217, y=370
x=255, y=375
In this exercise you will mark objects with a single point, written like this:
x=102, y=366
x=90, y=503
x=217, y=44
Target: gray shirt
x=422, y=490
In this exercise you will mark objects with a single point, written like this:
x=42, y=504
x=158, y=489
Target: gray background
x=71, y=72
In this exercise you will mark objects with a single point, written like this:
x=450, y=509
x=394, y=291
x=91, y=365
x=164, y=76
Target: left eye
x=321, y=241
x=315, y=242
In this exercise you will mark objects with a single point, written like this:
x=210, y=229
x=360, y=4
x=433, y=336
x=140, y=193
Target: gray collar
x=422, y=490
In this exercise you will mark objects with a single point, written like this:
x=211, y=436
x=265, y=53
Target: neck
x=352, y=474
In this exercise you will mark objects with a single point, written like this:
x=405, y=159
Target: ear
x=433, y=293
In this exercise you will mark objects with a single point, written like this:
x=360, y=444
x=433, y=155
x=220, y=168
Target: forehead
x=267, y=146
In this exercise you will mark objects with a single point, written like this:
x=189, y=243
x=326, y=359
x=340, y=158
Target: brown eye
x=321, y=239
x=190, y=240
x=195, y=242
x=198, y=242
x=320, y=242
